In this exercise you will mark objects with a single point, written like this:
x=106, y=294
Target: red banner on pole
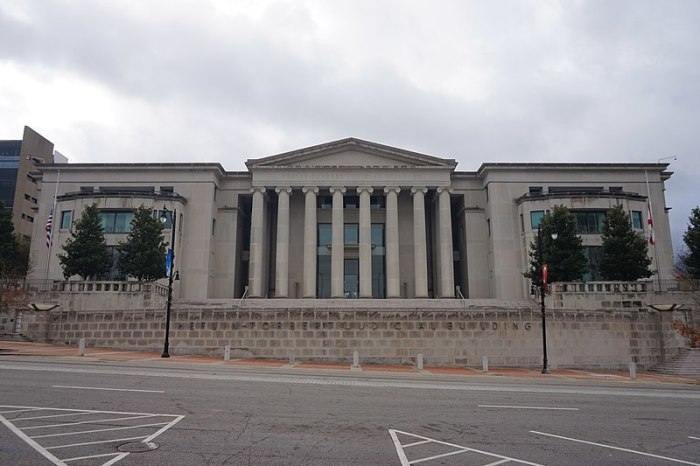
x=545, y=272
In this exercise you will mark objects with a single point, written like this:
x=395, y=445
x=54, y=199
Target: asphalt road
x=199, y=415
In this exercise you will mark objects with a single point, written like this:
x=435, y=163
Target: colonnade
x=445, y=287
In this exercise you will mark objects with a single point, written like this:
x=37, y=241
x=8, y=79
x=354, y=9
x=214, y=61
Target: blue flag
x=168, y=262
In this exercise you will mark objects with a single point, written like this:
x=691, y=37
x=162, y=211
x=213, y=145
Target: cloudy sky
x=478, y=81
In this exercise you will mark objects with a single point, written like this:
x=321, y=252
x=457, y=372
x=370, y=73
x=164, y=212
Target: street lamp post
x=171, y=272
x=543, y=291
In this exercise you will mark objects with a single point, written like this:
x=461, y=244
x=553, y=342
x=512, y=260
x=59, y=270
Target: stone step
x=686, y=363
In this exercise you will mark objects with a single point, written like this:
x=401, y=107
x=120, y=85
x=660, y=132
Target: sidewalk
x=20, y=348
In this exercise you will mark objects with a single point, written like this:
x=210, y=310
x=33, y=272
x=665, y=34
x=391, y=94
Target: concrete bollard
x=81, y=347
x=633, y=371
x=485, y=363
x=292, y=357
x=355, y=359
x=227, y=353
x=419, y=362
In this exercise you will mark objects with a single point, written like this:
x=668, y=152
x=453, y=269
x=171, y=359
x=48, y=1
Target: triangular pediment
x=351, y=152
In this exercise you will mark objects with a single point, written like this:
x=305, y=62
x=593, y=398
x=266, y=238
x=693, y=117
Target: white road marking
x=166, y=427
x=98, y=430
x=497, y=462
x=615, y=448
x=20, y=410
x=31, y=442
x=49, y=416
x=94, y=443
x=108, y=389
x=460, y=449
x=694, y=438
x=97, y=421
x=115, y=457
x=91, y=456
x=528, y=407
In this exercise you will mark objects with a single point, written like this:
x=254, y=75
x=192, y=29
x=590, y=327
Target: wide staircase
x=686, y=363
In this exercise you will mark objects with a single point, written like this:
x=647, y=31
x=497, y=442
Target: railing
x=600, y=287
x=110, y=286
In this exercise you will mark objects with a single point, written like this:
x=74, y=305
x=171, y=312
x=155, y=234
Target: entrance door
x=352, y=278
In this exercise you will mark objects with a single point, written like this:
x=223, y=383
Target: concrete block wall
x=508, y=336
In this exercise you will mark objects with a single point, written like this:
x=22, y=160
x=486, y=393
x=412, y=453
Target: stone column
x=338, y=245
x=393, y=285
x=447, y=285
x=420, y=258
x=257, y=237
x=310, y=242
x=365, y=242
x=282, y=263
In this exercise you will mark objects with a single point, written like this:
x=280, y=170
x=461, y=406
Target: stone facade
x=446, y=334
x=351, y=219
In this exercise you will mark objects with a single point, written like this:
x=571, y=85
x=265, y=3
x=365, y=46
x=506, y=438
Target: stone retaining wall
x=509, y=336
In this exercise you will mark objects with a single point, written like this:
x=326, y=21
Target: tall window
x=636, y=219
x=117, y=221
x=589, y=221
x=536, y=218
x=351, y=233
x=323, y=260
x=66, y=219
x=378, y=254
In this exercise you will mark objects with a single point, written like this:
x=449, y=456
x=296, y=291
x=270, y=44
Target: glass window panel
x=637, y=219
x=325, y=234
x=323, y=276
x=378, y=235
x=66, y=219
x=536, y=218
x=351, y=233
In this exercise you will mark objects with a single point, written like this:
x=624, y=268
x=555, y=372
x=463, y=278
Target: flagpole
x=50, y=232
x=650, y=221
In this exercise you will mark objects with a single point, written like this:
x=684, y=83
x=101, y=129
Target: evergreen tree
x=86, y=251
x=625, y=252
x=691, y=238
x=9, y=248
x=564, y=255
x=142, y=255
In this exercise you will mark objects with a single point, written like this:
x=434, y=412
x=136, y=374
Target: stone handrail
x=601, y=287
x=110, y=287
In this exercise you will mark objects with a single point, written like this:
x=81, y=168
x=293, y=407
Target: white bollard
x=81, y=347
x=485, y=363
x=227, y=353
x=292, y=357
x=633, y=371
x=419, y=362
x=355, y=359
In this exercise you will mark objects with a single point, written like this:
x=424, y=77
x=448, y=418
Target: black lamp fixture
x=171, y=275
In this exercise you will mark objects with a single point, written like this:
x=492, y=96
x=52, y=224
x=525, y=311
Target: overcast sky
x=478, y=81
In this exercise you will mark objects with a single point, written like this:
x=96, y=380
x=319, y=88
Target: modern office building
x=19, y=189
x=352, y=219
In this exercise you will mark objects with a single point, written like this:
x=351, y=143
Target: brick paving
x=20, y=348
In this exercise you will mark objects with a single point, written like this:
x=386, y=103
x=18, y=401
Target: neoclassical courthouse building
x=351, y=219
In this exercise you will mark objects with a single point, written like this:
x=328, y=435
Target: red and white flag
x=650, y=222
x=49, y=229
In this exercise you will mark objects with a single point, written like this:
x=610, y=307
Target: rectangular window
x=488, y=226
x=324, y=202
x=116, y=221
x=615, y=189
x=325, y=234
x=30, y=219
x=536, y=218
x=589, y=222
x=376, y=202
x=66, y=219
x=351, y=233
x=536, y=190
x=636, y=219
x=378, y=235
x=351, y=202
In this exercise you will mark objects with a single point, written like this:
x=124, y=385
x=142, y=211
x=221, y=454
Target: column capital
x=417, y=189
x=389, y=189
x=333, y=189
x=287, y=189
x=361, y=189
x=447, y=189
x=309, y=189
x=262, y=189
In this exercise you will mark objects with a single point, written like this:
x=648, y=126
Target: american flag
x=650, y=222
x=49, y=228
